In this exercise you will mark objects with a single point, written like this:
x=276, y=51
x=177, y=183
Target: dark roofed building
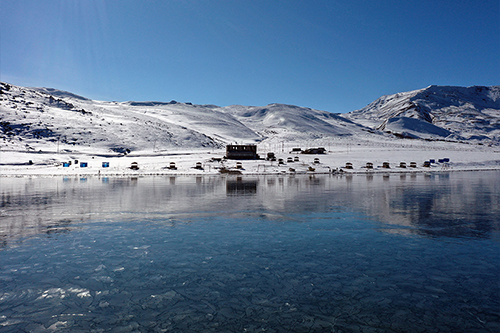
x=241, y=152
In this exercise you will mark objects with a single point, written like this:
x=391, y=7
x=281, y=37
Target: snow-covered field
x=461, y=157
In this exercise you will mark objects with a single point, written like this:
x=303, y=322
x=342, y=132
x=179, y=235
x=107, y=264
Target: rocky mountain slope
x=437, y=112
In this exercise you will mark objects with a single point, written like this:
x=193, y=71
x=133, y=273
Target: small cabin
x=413, y=164
x=427, y=164
x=105, y=164
x=172, y=166
x=134, y=166
x=199, y=166
x=348, y=165
x=296, y=159
x=386, y=165
x=316, y=161
x=369, y=165
x=241, y=152
x=83, y=164
x=289, y=160
x=402, y=165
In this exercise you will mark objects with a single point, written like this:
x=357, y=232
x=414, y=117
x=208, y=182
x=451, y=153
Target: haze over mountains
x=34, y=119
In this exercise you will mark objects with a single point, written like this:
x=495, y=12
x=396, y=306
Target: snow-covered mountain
x=32, y=118
x=437, y=112
x=289, y=122
x=39, y=119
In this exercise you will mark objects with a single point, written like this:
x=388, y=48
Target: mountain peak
x=460, y=112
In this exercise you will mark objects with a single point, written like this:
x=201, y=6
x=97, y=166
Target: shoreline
x=243, y=174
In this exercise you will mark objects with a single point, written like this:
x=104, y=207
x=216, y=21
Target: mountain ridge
x=34, y=119
x=462, y=113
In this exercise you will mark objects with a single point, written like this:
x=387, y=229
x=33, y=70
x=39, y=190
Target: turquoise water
x=398, y=253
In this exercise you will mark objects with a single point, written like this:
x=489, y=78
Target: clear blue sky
x=331, y=55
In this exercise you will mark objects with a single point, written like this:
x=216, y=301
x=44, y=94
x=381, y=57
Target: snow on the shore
x=461, y=157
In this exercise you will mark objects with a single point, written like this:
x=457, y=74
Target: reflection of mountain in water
x=447, y=208
x=450, y=205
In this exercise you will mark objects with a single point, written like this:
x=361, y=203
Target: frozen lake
x=362, y=253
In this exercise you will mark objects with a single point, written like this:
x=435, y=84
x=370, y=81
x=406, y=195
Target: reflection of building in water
x=239, y=186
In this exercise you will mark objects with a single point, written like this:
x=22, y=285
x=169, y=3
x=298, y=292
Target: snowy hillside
x=34, y=119
x=291, y=122
x=437, y=112
x=45, y=119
